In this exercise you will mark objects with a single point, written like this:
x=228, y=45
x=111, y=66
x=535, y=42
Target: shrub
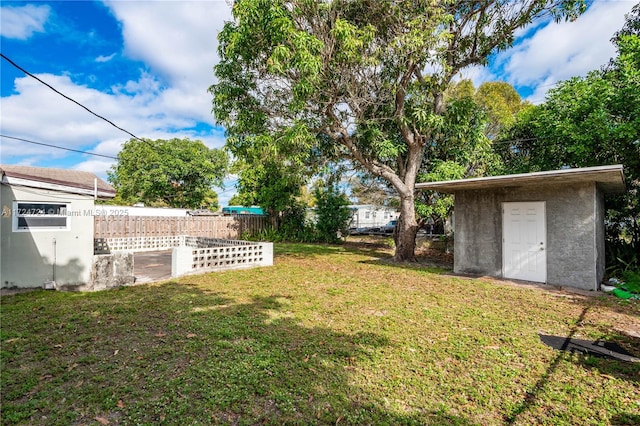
x=333, y=214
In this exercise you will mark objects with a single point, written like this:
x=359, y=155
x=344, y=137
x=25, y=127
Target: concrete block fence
x=186, y=260
x=192, y=255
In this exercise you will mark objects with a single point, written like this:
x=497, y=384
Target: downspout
x=51, y=285
x=54, y=262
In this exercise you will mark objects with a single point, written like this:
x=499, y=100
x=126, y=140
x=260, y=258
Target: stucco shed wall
x=573, y=214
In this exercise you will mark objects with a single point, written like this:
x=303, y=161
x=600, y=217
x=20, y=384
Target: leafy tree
x=269, y=180
x=172, y=173
x=502, y=103
x=433, y=206
x=293, y=224
x=333, y=214
x=238, y=200
x=462, y=149
x=367, y=189
x=362, y=79
x=590, y=121
x=472, y=118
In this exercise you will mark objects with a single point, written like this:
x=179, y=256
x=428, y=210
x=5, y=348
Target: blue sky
x=147, y=65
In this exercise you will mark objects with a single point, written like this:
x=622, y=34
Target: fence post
x=181, y=259
x=267, y=254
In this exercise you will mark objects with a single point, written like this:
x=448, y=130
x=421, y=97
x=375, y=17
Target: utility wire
x=67, y=97
x=58, y=147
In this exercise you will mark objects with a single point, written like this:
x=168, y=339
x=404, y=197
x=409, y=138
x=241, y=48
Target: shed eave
x=609, y=178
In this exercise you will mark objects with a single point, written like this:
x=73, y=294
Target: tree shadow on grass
x=177, y=354
x=625, y=420
x=424, y=265
x=611, y=367
x=313, y=250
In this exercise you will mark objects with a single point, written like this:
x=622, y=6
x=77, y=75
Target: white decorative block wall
x=192, y=255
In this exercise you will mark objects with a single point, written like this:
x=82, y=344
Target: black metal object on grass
x=597, y=348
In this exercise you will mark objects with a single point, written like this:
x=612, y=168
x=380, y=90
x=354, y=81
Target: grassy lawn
x=329, y=335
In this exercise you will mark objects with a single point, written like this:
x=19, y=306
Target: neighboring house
x=371, y=216
x=544, y=227
x=47, y=226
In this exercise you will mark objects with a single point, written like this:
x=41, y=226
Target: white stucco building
x=47, y=225
x=370, y=216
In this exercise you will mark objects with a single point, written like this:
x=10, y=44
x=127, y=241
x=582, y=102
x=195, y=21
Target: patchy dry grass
x=329, y=335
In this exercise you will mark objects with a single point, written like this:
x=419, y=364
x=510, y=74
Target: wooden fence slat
x=225, y=227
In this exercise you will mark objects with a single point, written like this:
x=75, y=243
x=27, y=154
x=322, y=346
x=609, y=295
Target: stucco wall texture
x=30, y=259
x=574, y=228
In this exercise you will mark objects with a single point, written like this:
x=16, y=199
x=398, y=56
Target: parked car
x=358, y=231
x=389, y=227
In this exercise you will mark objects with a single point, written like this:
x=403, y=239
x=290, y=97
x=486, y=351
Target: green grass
x=329, y=335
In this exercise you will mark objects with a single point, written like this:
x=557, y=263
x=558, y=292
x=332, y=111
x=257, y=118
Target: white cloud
x=105, y=58
x=21, y=22
x=178, y=41
x=110, y=147
x=35, y=112
x=44, y=115
x=559, y=51
x=477, y=74
x=229, y=190
x=98, y=167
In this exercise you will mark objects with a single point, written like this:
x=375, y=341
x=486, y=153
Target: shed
x=47, y=225
x=543, y=227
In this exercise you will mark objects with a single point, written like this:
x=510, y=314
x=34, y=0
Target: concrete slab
x=152, y=266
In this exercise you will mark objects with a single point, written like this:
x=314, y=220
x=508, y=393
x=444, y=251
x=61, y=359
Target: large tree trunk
x=405, y=232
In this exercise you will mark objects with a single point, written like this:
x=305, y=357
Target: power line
x=233, y=188
x=233, y=182
x=58, y=147
x=67, y=97
x=493, y=142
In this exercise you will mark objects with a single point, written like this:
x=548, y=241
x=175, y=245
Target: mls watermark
x=8, y=212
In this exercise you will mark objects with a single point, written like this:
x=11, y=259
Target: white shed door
x=524, y=242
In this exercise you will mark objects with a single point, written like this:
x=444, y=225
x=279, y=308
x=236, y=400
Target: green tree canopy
x=367, y=189
x=502, y=103
x=270, y=176
x=464, y=146
x=172, y=173
x=358, y=79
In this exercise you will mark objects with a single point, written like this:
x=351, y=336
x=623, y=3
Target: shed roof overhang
x=609, y=178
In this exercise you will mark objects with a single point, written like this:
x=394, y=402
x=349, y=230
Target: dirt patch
x=12, y=291
x=432, y=255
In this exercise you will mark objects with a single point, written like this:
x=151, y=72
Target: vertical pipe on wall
x=54, y=261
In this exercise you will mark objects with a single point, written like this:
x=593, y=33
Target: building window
x=367, y=215
x=31, y=216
